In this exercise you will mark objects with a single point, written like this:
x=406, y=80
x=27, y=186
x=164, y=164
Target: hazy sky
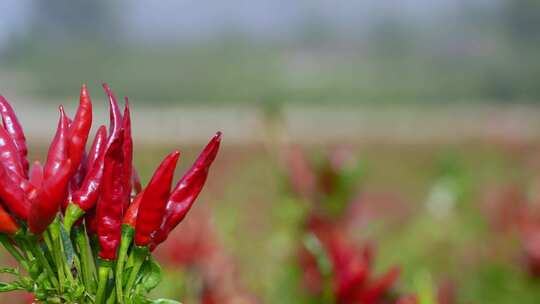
x=187, y=19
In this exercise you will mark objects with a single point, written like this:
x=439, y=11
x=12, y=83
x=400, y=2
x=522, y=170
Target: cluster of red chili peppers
x=81, y=225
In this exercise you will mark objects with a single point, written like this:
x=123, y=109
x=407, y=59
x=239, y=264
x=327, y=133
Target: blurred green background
x=435, y=98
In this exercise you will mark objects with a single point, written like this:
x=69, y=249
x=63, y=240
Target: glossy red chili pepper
x=127, y=147
x=13, y=197
x=110, y=205
x=154, y=200
x=98, y=146
x=50, y=196
x=79, y=129
x=58, y=151
x=130, y=218
x=15, y=130
x=187, y=189
x=25, y=185
x=36, y=174
x=9, y=157
x=8, y=224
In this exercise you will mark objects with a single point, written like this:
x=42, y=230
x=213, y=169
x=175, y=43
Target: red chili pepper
x=130, y=218
x=58, y=151
x=47, y=203
x=127, y=147
x=13, y=197
x=15, y=130
x=187, y=189
x=9, y=156
x=110, y=206
x=90, y=218
x=79, y=129
x=87, y=195
x=36, y=174
x=115, y=115
x=154, y=200
x=8, y=224
x=98, y=146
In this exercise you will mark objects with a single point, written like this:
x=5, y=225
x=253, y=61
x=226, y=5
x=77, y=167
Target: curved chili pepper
x=80, y=128
x=110, y=205
x=58, y=151
x=8, y=224
x=115, y=115
x=88, y=193
x=98, y=146
x=36, y=174
x=50, y=196
x=187, y=189
x=15, y=130
x=9, y=156
x=25, y=185
x=127, y=147
x=154, y=200
x=13, y=197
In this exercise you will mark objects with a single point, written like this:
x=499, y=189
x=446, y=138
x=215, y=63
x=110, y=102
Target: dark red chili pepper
x=130, y=217
x=110, y=205
x=154, y=200
x=15, y=130
x=9, y=156
x=36, y=174
x=187, y=189
x=13, y=197
x=90, y=218
x=98, y=146
x=50, y=196
x=127, y=147
x=58, y=151
x=8, y=224
x=80, y=128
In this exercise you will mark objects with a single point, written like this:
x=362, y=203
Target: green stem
x=72, y=215
x=105, y=267
x=36, y=250
x=127, y=237
x=82, y=244
x=140, y=254
x=52, y=237
x=14, y=252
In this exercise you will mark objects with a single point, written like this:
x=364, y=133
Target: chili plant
x=81, y=226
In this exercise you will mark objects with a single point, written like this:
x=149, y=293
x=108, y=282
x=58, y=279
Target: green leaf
x=10, y=270
x=69, y=252
x=152, y=274
x=6, y=287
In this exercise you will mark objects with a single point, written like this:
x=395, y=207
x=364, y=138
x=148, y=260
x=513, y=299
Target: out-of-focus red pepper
x=58, y=150
x=110, y=205
x=98, y=146
x=13, y=197
x=15, y=130
x=154, y=200
x=187, y=190
x=79, y=129
x=8, y=225
x=50, y=196
x=36, y=174
x=127, y=147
